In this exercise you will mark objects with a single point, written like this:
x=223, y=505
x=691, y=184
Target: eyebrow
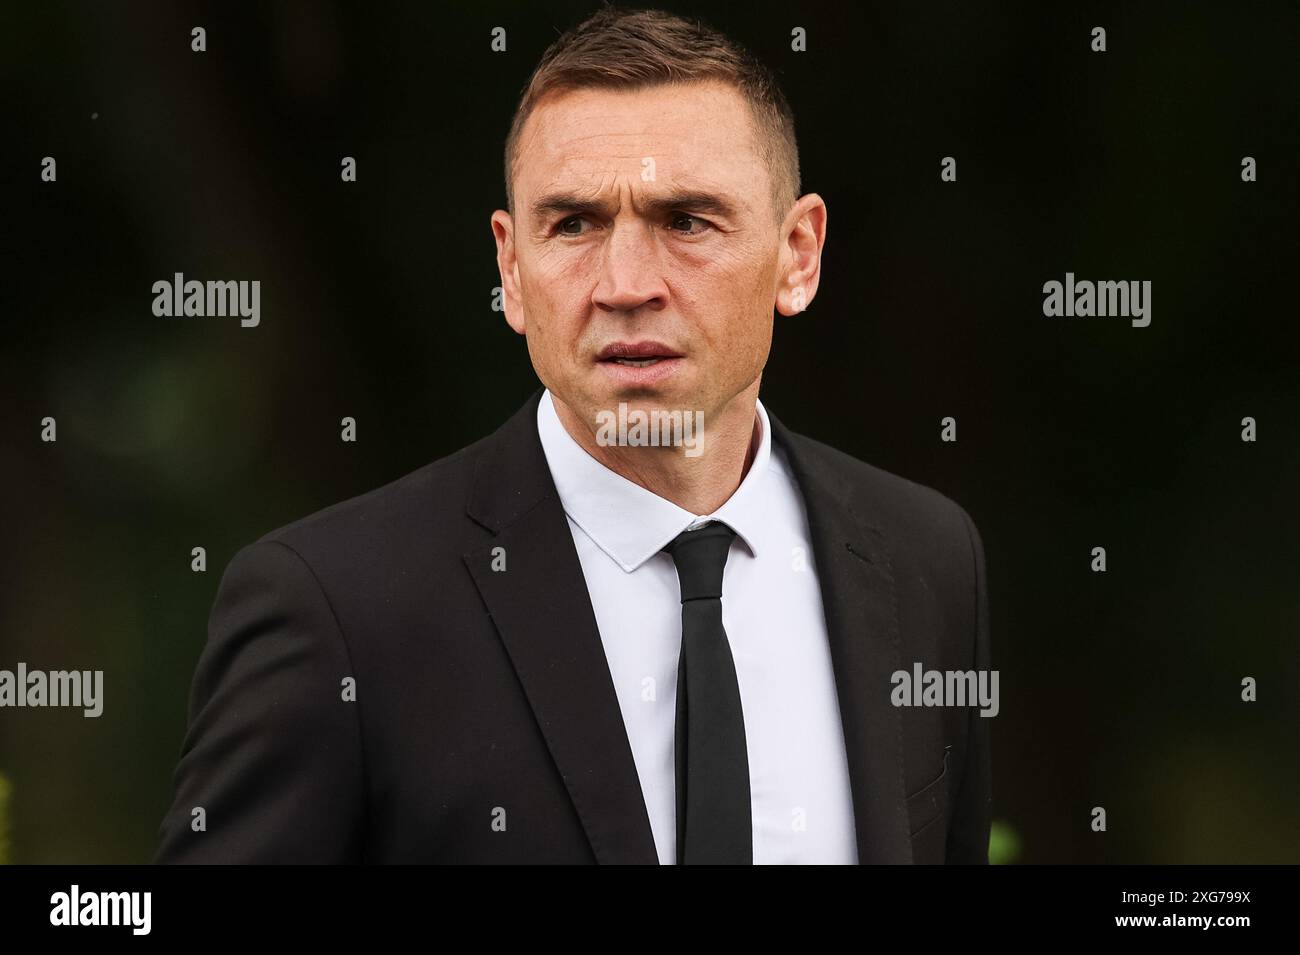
x=567, y=203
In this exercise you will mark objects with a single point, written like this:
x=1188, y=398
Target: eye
x=678, y=218
x=563, y=227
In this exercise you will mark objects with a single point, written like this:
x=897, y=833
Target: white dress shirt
x=772, y=611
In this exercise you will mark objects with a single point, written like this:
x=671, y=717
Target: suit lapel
x=542, y=611
x=855, y=572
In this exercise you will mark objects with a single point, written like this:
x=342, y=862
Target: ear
x=503, y=229
x=803, y=235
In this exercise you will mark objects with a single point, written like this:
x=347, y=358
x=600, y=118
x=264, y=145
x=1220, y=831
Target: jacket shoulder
x=888, y=500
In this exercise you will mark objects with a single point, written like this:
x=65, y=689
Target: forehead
x=702, y=131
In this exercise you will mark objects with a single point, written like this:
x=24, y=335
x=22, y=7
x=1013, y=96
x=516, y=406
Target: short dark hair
x=617, y=48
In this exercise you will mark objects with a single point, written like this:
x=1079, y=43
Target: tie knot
x=700, y=556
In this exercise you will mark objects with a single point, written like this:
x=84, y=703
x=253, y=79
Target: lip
x=631, y=376
x=627, y=376
x=641, y=349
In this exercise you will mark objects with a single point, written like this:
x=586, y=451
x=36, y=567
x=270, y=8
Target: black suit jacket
x=485, y=726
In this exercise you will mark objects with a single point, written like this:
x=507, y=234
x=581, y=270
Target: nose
x=630, y=273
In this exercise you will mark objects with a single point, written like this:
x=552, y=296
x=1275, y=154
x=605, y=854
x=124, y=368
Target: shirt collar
x=630, y=523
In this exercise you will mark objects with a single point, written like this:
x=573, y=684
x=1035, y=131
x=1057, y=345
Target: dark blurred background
x=1119, y=689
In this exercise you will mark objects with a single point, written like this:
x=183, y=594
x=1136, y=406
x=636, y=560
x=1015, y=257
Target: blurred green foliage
x=1004, y=843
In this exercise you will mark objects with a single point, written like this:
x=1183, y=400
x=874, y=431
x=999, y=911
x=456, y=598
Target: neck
x=699, y=484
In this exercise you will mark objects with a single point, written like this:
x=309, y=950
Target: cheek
x=743, y=284
x=752, y=320
x=737, y=272
x=558, y=285
x=554, y=310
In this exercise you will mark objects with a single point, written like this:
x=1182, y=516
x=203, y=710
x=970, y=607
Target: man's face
x=645, y=219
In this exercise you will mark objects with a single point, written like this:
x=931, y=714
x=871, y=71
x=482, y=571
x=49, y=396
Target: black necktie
x=713, y=812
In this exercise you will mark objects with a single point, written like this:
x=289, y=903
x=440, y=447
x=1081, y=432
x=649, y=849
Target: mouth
x=635, y=362
x=639, y=365
x=642, y=354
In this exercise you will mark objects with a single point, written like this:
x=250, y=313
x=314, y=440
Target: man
x=643, y=621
